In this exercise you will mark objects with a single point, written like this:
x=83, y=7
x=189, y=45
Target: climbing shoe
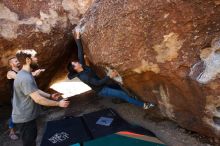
x=148, y=105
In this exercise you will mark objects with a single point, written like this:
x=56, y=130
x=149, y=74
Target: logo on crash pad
x=59, y=137
x=104, y=121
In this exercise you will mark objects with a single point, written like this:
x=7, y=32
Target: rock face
x=41, y=25
x=166, y=51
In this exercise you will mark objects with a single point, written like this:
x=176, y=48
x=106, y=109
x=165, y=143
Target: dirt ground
x=167, y=131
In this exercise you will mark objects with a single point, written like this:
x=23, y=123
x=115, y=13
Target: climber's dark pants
x=117, y=93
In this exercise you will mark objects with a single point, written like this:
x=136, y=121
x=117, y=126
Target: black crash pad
x=65, y=132
x=110, y=122
x=87, y=127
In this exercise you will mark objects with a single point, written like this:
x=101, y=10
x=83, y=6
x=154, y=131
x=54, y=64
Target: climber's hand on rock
x=76, y=33
x=114, y=74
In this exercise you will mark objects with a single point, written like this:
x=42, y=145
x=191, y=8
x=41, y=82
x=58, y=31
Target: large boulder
x=166, y=51
x=41, y=25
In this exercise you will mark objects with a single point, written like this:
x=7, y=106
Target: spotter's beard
x=34, y=66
